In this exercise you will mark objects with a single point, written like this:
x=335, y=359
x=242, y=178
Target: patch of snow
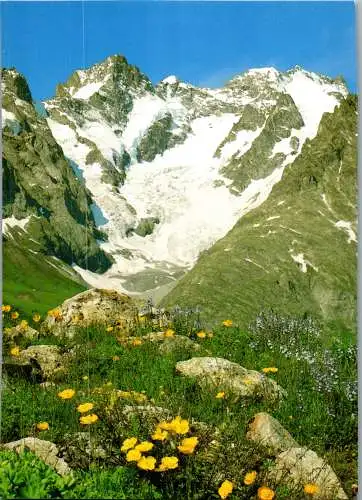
x=88, y=90
x=282, y=146
x=256, y=264
x=273, y=217
x=241, y=144
x=347, y=226
x=7, y=116
x=299, y=258
x=9, y=119
x=280, y=202
x=311, y=95
x=290, y=229
x=10, y=222
x=170, y=79
x=146, y=110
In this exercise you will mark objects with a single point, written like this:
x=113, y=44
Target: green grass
x=31, y=284
x=324, y=421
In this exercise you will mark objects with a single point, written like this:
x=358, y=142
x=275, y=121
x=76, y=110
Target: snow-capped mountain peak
x=164, y=163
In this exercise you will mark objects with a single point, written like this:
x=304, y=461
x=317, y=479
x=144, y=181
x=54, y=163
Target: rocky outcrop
x=299, y=466
x=167, y=344
x=49, y=360
x=97, y=305
x=239, y=382
x=45, y=450
x=266, y=431
x=40, y=184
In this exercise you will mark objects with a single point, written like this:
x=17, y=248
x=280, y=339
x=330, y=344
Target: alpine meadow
x=179, y=312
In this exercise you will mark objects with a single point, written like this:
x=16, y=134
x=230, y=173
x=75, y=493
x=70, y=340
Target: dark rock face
x=39, y=182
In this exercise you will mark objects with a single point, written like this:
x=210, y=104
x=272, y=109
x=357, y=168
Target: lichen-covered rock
x=166, y=344
x=232, y=378
x=268, y=432
x=49, y=359
x=45, y=450
x=20, y=331
x=97, y=305
x=81, y=448
x=300, y=466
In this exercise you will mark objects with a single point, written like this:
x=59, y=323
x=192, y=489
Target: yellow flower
x=129, y=443
x=55, y=313
x=220, y=395
x=180, y=426
x=6, y=308
x=138, y=397
x=23, y=324
x=42, y=426
x=116, y=358
x=66, y=394
x=210, y=335
x=159, y=435
x=311, y=489
x=85, y=377
x=177, y=425
x=188, y=445
x=124, y=394
x=225, y=489
x=201, y=334
x=168, y=463
x=15, y=351
x=88, y=419
x=109, y=329
x=133, y=456
x=36, y=318
x=84, y=407
x=250, y=478
x=144, y=446
x=14, y=315
x=169, y=333
x=137, y=342
x=271, y=369
x=146, y=463
x=227, y=322
x=265, y=493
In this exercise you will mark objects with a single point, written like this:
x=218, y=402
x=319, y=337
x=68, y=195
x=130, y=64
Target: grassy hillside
x=34, y=282
x=296, y=253
x=319, y=411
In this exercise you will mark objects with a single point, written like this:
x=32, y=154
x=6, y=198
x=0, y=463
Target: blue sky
x=204, y=43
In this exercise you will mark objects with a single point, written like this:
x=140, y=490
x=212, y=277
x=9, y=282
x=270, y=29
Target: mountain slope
x=297, y=251
x=34, y=282
x=41, y=194
x=171, y=168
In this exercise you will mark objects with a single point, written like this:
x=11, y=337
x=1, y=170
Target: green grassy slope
x=319, y=410
x=252, y=268
x=32, y=283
